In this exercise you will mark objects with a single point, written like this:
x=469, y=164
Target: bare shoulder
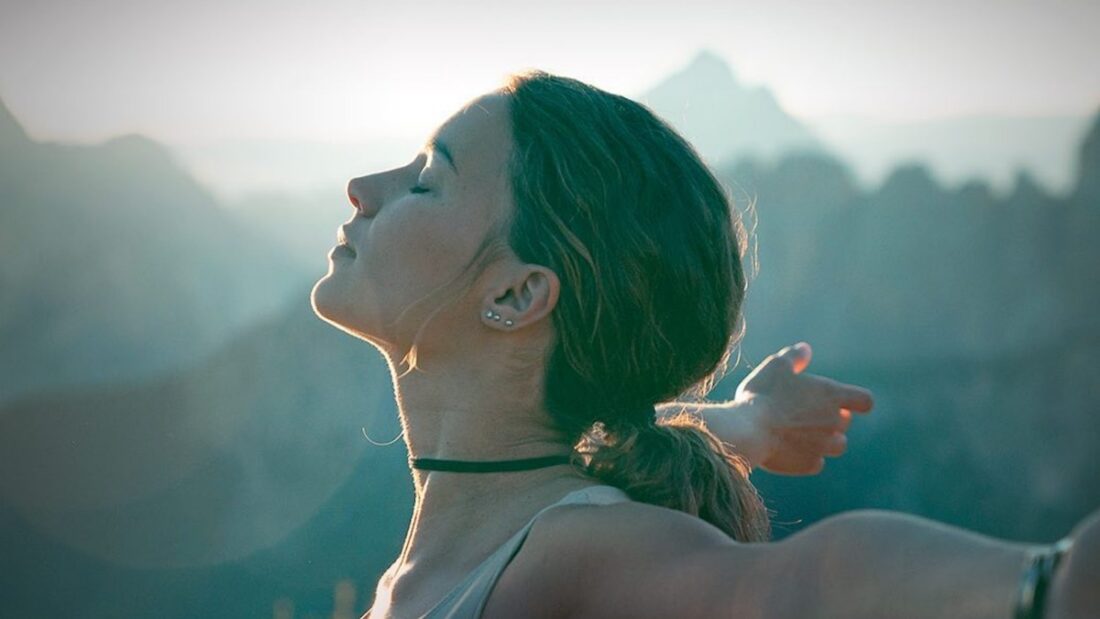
x=641, y=526
x=624, y=559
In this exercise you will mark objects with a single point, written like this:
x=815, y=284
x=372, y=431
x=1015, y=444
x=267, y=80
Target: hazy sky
x=344, y=70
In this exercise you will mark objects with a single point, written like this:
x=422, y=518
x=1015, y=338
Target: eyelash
x=418, y=189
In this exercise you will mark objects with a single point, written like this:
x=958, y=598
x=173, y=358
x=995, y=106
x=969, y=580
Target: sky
x=342, y=71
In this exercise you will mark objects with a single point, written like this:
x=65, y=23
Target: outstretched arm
x=782, y=418
x=868, y=564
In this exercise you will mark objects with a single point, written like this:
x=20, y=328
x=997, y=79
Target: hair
x=647, y=247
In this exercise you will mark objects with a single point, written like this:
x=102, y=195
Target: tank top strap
x=468, y=599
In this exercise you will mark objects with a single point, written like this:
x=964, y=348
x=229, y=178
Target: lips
x=342, y=240
x=341, y=251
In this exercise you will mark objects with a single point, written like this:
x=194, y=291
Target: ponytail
x=648, y=247
x=678, y=463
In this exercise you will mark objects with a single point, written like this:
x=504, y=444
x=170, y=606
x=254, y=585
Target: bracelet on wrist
x=1036, y=580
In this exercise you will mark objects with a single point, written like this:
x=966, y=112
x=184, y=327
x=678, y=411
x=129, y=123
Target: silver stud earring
x=488, y=313
x=508, y=323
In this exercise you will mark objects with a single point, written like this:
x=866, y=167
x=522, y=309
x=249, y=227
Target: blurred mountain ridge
x=993, y=147
x=983, y=275
x=723, y=119
x=115, y=263
x=1087, y=187
x=11, y=132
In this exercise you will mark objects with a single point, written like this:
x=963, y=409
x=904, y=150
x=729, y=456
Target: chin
x=320, y=298
x=333, y=306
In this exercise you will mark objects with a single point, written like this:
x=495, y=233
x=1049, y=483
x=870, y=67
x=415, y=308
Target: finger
x=835, y=445
x=856, y=399
x=844, y=419
x=851, y=397
x=798, y=356
x=829, y=444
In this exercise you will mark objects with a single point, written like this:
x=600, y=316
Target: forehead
x=479, y=136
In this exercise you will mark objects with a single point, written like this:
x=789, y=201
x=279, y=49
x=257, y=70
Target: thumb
x=798, y=356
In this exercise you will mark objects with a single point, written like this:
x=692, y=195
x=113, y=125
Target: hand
x=794, y=419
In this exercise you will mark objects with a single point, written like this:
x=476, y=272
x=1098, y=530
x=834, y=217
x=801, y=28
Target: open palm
x=799, y=418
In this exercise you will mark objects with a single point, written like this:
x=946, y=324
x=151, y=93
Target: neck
x=456, y=419
x=476, y=412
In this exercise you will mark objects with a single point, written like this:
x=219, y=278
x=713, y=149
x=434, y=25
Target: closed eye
x=418, y=189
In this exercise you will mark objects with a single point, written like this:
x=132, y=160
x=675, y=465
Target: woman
x=553, y=265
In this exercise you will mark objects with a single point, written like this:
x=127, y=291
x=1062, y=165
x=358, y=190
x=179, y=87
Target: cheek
x=413, y=254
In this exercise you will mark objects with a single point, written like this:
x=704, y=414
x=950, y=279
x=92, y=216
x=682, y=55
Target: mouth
x=341, y=251
x=342, y=242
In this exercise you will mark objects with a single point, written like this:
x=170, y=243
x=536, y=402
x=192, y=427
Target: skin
x=477, y=393
x=784, y=419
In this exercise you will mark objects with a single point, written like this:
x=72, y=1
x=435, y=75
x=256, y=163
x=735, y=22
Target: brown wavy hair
x=648, y=250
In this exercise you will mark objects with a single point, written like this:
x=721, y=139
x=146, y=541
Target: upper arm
x=637, y=560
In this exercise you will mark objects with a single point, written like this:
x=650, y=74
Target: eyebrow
x=437, y=145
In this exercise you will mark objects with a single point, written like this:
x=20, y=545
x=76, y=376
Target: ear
x=529, y=296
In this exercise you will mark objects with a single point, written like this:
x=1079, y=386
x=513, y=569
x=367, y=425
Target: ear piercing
x=495, y=316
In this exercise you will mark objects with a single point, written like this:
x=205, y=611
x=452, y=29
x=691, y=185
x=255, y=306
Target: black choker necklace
x=487, y=466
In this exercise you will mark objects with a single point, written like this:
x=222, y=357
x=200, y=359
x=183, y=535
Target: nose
x=368, y=193
x=359, y=196
x=354, y=195
x=351, y=195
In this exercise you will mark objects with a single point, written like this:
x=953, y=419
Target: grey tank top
x=467, y=600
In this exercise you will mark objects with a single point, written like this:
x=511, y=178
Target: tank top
x=467, y=600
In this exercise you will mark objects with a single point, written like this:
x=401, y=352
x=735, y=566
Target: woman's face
x=415, y=227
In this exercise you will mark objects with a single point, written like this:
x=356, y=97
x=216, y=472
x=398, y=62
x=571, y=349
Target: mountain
x=116, y=265
x=12, y=135
x=722, y=118
x=1082, y=230
x=1087, y=187
x=971, y=316
x=913, y=271
x=959, y=149
x=243, y=479
x=726, y=120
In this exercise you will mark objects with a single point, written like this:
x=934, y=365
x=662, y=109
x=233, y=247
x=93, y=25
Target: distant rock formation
x=115, y=265
x=1087, y=188
x=213, y=463
x=913, y=271
x=723, y=119
x=11, y=132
